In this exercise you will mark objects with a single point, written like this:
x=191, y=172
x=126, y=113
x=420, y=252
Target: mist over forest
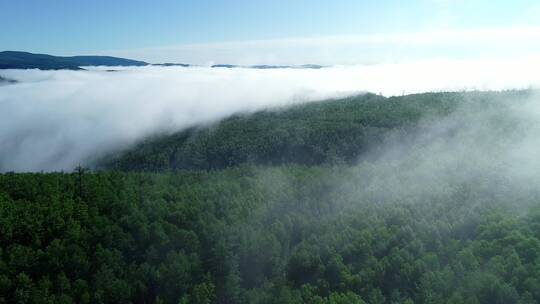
x=209, y=185
x=270, y=152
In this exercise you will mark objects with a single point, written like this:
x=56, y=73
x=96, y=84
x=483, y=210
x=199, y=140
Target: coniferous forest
x=426, y=198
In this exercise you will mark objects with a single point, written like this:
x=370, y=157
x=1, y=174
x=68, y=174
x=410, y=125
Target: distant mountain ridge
x=266, y=66
x=26, y=60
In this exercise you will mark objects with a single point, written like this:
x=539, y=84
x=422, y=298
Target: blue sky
x=273, y=31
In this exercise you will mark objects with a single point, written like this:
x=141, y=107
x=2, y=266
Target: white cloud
x=53, y=120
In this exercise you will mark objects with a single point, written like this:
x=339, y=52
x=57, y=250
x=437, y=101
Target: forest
x=425, y=198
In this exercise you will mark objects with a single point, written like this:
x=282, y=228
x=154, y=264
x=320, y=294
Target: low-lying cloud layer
x=54, y=120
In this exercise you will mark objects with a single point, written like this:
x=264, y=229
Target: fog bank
x=54, y=120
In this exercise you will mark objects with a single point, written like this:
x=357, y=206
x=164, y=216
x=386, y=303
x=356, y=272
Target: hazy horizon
x=276, y=32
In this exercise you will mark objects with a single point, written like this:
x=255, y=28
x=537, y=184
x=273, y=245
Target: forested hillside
x=313, y=133
x=429, y=198
x=255, y=235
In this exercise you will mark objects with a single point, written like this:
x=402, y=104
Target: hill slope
x=24, y=60
x=313, y=133
x=278, y=235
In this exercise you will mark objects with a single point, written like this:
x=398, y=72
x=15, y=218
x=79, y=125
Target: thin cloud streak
x=515, y=41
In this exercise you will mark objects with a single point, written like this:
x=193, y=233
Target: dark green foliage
x=256, y=235
x=313, y=133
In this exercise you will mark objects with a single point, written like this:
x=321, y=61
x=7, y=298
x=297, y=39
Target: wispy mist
x=54, y=120
x=485, y=154
x=471, y=44
x=489, y=145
